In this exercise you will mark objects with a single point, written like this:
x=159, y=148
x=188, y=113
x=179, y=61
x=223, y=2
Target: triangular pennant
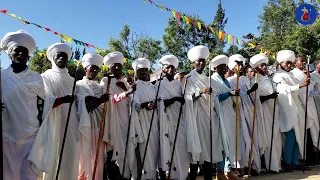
x=199, y=25
x=268, y=53
x=186, y=19
x=26, y=22
x=192, y=21
x=3, y=11
x=160, y=6
x=232, y=40
x=211, y=29
x=220, y=34
x=98, y=50
x=238, y=40
x=69, y=40
x=125, y=60
x=86, y=44
x=150, y=1
x=229, y=38
x=13, y=15
x=223, y=36
x=205, y=26
x=261, y=51
x=178, y=16
x=56, y=33
x=64, y=38
x=76, y=41
x=173, y=13
x=93, y=46
x=166, y=8
x=47, y=29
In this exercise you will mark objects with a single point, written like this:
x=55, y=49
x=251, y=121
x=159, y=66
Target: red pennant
x=178, y=16
x=150, y=1
x=192, y=21
x=56, y=33
x=205, y=26
x=93, y=46
x=232, y=40
x=86, y=44
x=223, y=36
x=4, y=11
x=47, y=29
x=166, y=8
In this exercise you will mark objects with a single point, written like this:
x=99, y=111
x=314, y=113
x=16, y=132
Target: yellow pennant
x=173, y=13
x=261, y=51
x=98, y=50
x=13, y=15
x=125, y=60
x=160, y=6
x=186, y=19
x=252, y=45
x=69, y=40
x=211, y=29
x=229, y=38
x=199, y=25
x=104, y=68
x=220, y=34
x=131, y=72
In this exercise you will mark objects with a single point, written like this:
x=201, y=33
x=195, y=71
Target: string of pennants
x=178, y=16
x=67, y=39
x=223, y=36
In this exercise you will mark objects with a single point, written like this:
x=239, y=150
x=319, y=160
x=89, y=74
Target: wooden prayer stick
x=101, y=130
x=272, y=131
x=128, y=133
x=151, y=122
x=67, y=123
x=1, y=140
x=237, y=115
x=176, y=134
x=210, y=119
x=306, y=117
x=253, y=125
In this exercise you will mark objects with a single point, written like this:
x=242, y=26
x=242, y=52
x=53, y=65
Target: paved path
x=296, y=175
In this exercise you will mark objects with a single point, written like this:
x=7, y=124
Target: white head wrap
x=58, y=47
x=232, y=60
x=18, y=38
x=112, y=58
x=176, y=75
x=92, y=59
x=169, y=60
x=285, y=55
x=198, y=52
x=140, y=63
x=258, y=59
x=218, y=60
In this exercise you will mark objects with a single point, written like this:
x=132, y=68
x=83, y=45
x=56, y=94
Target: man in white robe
x=118, y=115
x=246, y=115
x=313, y=124
x=315, y=77
x=59, y=83
x=90, y=97
x=292, y=121
x=266, y=96
x=226, y=113
x=171, y=90
x=26, y=106
x=144, y=105
x=24, y=152
x=197, y=117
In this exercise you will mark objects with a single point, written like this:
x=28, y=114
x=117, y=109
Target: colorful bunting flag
x=199, y=25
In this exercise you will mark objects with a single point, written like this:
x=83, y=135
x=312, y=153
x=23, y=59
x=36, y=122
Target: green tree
x=219, y=22
x=134, y=45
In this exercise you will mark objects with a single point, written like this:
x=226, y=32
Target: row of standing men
x=36, y=110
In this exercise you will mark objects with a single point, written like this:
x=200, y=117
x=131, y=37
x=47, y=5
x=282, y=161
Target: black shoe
x=300, y=167
x=287, y=168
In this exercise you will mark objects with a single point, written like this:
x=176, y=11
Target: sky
x=96, y=21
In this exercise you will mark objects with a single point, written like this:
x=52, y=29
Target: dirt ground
x=314, y=174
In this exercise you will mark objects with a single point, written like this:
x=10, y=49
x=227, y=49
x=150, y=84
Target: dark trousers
x=111, y=169
x=310, y=153
x=207, y=171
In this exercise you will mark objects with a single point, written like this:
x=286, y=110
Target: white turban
x=258, y=59
x=285, y=55
x=169, y=60
x=218, y=60
x=58, y=47
x=198, y=52
x=232, y=60
x=176, y=76
x=140, y=63
x=18, y=38
x=112, y=58
x=92, y=59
